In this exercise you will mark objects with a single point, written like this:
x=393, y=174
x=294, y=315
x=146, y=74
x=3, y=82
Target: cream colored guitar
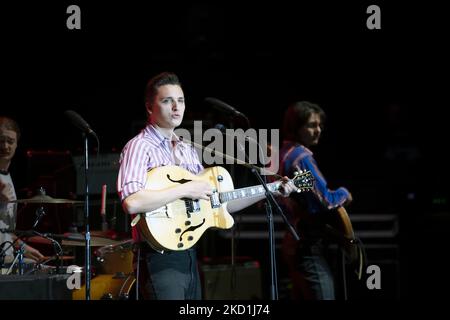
x=180, y=224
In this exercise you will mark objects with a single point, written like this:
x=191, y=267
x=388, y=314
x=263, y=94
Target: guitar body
x=346, y=225
x=180, y=224
x=352, y=249
x=345, y=235
x=339, y=229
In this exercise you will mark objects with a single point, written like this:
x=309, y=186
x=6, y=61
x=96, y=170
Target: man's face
x=168, y=106
x=310, y=132
x=8, y=144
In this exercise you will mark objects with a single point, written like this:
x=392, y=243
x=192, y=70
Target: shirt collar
x=160, y=139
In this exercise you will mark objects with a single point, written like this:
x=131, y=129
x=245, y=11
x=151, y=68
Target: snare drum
x=118, y=258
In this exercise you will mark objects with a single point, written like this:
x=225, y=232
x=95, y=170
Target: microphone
x=220, y=127
x=222, y=106
x=79, y=122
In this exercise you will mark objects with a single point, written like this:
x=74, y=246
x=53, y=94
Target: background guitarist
x=310, y=211
x=171, y=275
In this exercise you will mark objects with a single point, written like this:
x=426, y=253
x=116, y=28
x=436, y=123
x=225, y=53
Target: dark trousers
x=172, y=275
x=315, y=272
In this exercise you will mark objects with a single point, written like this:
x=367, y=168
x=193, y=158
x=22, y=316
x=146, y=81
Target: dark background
x=383, y=91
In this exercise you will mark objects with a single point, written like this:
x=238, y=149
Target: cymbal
x=40, y=199
x=72, y=239
x=79, y=241
x=51, y=258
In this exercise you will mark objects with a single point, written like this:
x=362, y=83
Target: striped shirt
x=148, y=150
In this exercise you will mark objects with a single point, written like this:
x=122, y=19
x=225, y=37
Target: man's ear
x=148, y=107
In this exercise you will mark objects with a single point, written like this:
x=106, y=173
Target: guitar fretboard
x=247, y=192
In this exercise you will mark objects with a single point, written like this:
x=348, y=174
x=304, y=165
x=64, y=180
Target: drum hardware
x=40, y=198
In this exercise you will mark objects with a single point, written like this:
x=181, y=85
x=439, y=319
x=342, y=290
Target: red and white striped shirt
x=148, y=150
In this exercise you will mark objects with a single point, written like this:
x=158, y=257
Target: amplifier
x=35, y=287
x=226, y=282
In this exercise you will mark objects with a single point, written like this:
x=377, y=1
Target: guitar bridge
x=192, y=206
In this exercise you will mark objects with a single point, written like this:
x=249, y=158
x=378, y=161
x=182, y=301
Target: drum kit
x=113, y=275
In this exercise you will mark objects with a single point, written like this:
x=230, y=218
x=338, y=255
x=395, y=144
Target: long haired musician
x=306, y=260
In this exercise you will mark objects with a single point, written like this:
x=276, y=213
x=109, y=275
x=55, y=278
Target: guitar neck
x=248, y=192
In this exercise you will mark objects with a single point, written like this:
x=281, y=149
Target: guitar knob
x=190, y=238
x=177, y=230
x=180, y=245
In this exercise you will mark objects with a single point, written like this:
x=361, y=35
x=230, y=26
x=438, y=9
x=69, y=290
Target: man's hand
x=198, y=190
x=286, y=187
x=32, y=253
x=349, y=200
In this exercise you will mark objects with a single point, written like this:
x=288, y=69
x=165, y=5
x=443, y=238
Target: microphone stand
x=269, y=214
x=270, y=200
x=86, y=219
x=83, y=125
x=233, y=240
x=273, y=264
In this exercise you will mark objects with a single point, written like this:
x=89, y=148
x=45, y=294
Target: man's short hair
x=157, y=81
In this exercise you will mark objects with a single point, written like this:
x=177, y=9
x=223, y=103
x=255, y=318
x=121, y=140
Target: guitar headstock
x=303, y=180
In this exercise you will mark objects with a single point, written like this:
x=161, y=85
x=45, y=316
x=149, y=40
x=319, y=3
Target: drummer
x=9, y=137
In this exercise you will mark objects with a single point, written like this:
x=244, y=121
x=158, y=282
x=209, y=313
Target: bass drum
x=118, y=258
x=108, y=287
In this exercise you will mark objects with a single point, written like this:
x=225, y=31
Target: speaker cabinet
x=34, y=287
x=227, y=282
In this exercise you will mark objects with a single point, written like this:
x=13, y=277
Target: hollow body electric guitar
x=180, y=224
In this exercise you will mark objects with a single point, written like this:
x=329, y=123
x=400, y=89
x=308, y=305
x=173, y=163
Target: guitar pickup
x=215, y=201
